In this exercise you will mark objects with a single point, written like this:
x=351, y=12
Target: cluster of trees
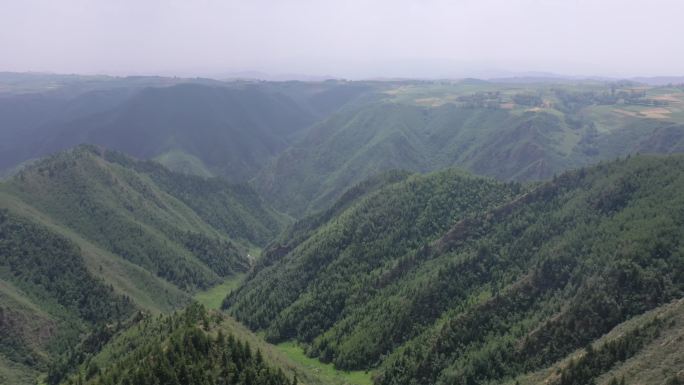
x=234, y=209
x=583, y=254
x=596, y=361
x=573, y=101
x=135, y=209
x=338, y=266
x=528, y=99
x=43, y=263
x=223, y=257
x=517, y=283
x=50, y=271
x=185, y=348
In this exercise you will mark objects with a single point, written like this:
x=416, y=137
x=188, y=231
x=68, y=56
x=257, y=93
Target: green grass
x=212, y=298
x=183, y=162
x=326, y=372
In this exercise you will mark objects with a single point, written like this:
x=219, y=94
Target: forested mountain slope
x=47, y=298
x=182, y=228
x=434, y=278
x=192, y=346
x=510, y=132
x=89, y=235
x=646, y=349
x=336, y=265
x=519, y=281
x=204, y=127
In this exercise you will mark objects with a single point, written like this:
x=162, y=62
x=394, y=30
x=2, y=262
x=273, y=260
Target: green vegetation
x=520, y=282
x=508, y=131
x=137, y=210
x=328, y=275
x=417, y=274
x=213, y=297
x=326, y=372
x=48, y=296
x=184, y=348
x=195, y=126
x=653, y=337
x=178, y=337
x=89, y=235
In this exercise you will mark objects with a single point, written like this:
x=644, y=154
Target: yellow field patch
x=395, y=91
x=653, y=113
x=430, y=102
x=671, y=98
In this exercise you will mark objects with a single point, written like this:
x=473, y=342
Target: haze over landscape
x=351, y=39
x=341, y=192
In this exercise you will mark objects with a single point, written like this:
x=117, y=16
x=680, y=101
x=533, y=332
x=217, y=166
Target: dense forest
x=48, y=295
x=512, y=286
x=189, y=348
x=352, y=232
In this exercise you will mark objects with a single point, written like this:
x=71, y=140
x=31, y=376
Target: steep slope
x=563, y=265
x=646, y=349
x=232, y=130
x=505, y=291
x=179, y=227
x=194, y=346
x=89, y=235
x=192, y=125
x=510, y=132
x=186, y=348
x=47, y=298
x=313, y=281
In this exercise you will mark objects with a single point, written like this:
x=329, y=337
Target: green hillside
x=517, y=232
x=508, y=131
x=647, y=349
x=310, y=285
x=47, y=297
x=193, y=126
x=124, y=212
x=483, y=281
x=193, y=346
x=89, y=235
x=179, y=161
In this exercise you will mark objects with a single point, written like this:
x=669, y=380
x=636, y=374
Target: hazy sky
x=346, y=38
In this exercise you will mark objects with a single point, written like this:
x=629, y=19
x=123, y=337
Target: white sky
x=346, y=38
